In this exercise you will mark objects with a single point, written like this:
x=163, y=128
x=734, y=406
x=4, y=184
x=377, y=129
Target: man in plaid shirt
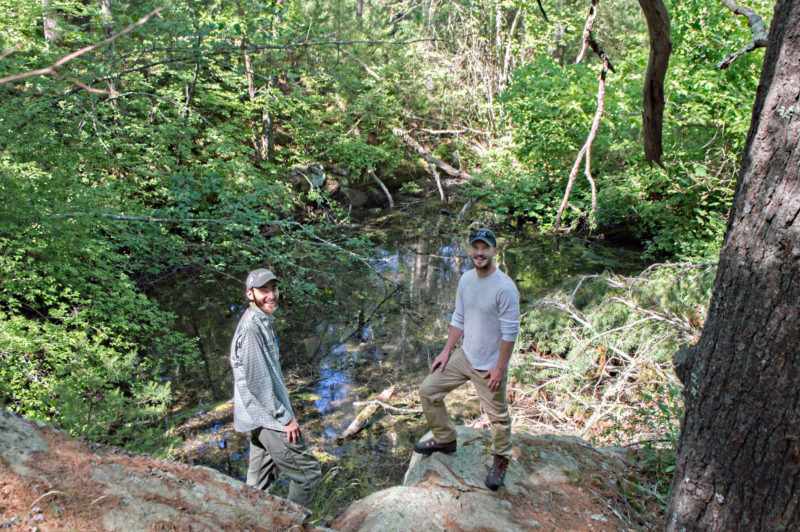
x=261, y=401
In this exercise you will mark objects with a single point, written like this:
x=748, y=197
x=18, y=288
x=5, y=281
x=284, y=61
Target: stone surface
x=51, y=481
x=553, y=483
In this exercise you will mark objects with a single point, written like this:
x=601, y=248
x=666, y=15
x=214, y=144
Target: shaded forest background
x=194, y=144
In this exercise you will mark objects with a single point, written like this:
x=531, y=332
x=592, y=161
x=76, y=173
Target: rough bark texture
x=655, y=12
x=50, y=24
x=737, y=465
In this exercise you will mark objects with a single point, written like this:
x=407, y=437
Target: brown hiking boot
x=430, y=446
x=497, y=473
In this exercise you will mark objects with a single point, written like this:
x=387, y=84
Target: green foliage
x=163, y=170
x=103, y=195
x=678, y=212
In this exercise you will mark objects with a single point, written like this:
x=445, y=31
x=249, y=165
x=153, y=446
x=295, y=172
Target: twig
x=53, y=492
x=642, y=442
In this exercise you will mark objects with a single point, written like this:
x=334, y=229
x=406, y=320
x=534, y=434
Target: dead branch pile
x=597, y=354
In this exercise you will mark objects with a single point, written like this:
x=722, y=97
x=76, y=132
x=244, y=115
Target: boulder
x=52, y=481
x=552, y=483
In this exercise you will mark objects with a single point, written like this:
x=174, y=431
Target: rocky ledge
x=51, y=481
x=553, y=483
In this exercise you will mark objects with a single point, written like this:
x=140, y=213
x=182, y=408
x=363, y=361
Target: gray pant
x=271, y=452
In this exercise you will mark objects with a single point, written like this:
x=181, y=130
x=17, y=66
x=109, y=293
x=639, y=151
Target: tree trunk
x=739, y=455
x=655, y=12
x=50, y=23
x=107, y=18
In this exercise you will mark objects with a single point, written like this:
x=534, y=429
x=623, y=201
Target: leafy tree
x=679, y=212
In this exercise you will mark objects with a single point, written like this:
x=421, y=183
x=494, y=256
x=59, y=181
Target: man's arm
x=508, y=305
x=259, y=378
x=452, y=339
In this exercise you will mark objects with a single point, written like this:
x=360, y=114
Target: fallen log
x=428, y=157
x=366, y=413
x=390, y=408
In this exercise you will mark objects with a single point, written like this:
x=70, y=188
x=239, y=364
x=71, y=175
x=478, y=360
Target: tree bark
x=739, y=455
x=50, y=24
x=655, y=12
x=587, y=30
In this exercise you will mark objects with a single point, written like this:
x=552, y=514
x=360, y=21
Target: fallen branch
x=10, y=51
x=383, y=187
x=466, y=207
x=366, y=413
x=365, y=66
x=587, y=30
x=388, y=407
x=587, y=146
x=452, y=131
x=428, y=157
x=144, y=218
x=438, y=182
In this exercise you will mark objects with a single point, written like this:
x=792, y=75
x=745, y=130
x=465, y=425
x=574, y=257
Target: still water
x=374, y=331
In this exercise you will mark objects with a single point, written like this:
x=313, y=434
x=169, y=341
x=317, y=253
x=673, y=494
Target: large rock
x=553, y=483
x=51, y=481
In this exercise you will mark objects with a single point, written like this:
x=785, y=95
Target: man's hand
x=293, y=431
x=495, y=376
x=440, y=361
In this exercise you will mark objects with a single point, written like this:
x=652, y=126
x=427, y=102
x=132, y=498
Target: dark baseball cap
x=483, y=234
x=258, y=278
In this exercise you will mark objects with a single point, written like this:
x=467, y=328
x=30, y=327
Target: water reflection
x=332, y=388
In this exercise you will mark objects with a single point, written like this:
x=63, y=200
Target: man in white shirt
x=487, y=316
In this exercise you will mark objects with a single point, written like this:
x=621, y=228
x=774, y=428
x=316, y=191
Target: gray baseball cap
x=483, y=234
x=258, y=278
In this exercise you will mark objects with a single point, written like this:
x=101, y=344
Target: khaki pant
x=270, y=452
x=456, y=372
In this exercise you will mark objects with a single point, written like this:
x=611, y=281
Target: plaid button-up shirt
x=260, y=397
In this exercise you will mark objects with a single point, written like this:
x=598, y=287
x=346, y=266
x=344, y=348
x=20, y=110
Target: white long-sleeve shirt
x=487, y=310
